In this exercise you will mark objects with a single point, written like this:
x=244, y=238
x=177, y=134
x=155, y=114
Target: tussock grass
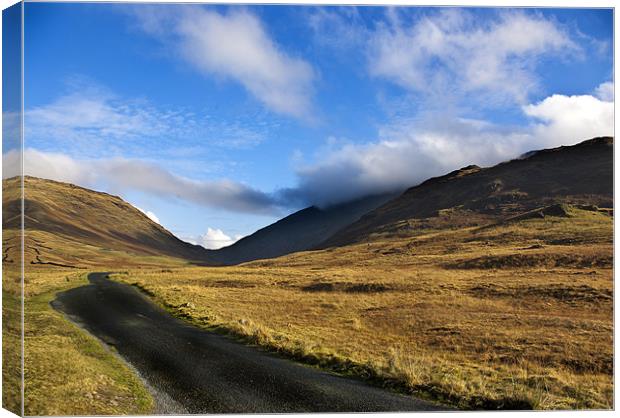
x=396, y=310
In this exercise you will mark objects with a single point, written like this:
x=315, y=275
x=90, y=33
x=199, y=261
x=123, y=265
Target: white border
x=483, y=3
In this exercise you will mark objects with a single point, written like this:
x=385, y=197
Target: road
x=192, y=370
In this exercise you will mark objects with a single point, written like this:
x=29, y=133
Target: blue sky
x=220, y=120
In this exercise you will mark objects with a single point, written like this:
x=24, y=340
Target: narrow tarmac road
x=208, y=373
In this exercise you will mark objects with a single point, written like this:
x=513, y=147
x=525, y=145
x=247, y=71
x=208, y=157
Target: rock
x=559, y=209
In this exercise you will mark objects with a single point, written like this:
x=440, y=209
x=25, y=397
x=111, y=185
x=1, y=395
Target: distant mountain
x=303, y=230
x=62, y=215
x=579, y=174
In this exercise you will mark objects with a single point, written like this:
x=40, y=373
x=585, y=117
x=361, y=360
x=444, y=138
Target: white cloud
x=213, y=239
x=339, y=28
x=149, y=214
x=451, y=54
x=91, y=121
x=235, y=46
x=120, y=175
x=605, y=91
x=413, y=150
x=50, y=165
x=216, y=238
x=95, y=114
x=566, y=120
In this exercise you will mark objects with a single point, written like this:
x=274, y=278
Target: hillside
x=67, y=225
x=579, y=174
x=300, y=231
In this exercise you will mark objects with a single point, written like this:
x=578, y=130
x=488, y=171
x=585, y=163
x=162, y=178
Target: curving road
x=195, y=371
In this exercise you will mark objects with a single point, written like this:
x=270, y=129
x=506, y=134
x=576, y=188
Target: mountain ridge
x=100, y=219
x=577, y=173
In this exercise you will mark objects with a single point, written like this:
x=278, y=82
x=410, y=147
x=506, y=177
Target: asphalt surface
x=195, y=371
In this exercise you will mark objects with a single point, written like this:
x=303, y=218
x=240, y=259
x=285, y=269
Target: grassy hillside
x=579, y=174
x=514, y=314
x=67, y=225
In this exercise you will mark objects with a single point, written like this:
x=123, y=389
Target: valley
x=486, y=288
x=515, y=316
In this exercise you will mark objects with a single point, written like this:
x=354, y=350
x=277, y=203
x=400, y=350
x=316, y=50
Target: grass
x=67, y=371
x=11, y=324
x=514, y=315
x=11, y=352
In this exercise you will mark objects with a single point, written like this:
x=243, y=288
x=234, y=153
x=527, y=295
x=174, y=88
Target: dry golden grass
x=11, y=322
x=11, y=340
x=516, y=315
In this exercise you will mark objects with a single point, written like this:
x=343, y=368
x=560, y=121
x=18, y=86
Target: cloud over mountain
x=405, y=154
x=412, y=150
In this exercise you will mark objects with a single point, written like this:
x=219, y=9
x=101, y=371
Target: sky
x=216, y=121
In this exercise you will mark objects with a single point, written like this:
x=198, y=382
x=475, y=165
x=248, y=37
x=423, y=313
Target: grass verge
x=68, y=371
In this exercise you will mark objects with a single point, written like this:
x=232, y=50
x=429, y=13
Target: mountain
x=581, y=174
x=68, y=225
x=59, y=216
x=303, y=230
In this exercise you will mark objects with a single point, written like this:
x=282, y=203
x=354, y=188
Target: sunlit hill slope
x=67, y=225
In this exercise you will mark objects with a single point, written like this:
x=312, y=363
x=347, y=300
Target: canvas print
x=219, y=208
